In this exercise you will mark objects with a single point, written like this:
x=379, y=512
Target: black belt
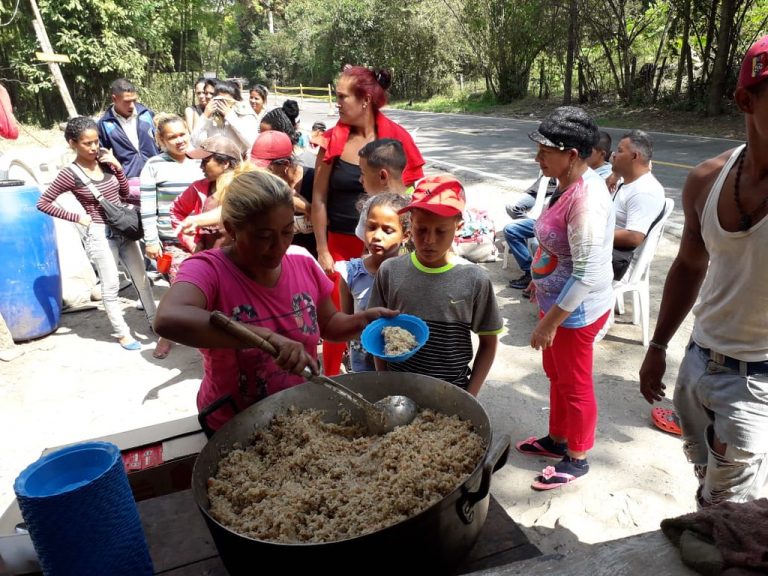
x=743, y=368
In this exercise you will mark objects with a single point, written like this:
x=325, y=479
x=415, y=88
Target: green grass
x=477, y=102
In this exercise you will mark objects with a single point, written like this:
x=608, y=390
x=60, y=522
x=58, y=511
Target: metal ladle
x=380, y=417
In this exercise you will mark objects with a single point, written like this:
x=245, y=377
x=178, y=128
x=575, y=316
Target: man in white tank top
x=721, y=394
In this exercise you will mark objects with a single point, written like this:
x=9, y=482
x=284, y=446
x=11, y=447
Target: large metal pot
x=434, y=541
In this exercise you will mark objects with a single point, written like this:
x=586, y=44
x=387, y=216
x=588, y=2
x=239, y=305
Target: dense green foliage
x=679, y=53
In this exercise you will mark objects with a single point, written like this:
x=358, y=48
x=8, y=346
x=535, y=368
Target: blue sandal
x=134, y=345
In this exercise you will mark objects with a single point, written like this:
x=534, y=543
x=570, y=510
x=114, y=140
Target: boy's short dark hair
x=319, y=126
x=384, y=153
x=604, y=144
x=121, y=86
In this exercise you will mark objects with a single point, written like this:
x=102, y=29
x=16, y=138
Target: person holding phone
x=227, y=115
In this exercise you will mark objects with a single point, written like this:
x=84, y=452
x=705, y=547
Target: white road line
x=451, y=166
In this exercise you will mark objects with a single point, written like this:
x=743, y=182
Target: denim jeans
x=360, y=360
x=714, y=400
x=520, y=208
x=104, y=249
x=517, y=234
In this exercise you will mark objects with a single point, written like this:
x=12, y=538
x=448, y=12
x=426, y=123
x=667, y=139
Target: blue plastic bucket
x=81, y=516
x=66, y=469
x=30, y=277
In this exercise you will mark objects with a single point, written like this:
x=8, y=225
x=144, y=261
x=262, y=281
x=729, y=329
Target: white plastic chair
x=534, y=213
x=637, y=278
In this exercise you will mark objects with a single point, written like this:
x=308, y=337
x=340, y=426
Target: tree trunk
x=513, y=85
x=568, y=88
x=710, y=38
x=691, y=86
x=685, y=49
x=658, y=80
x=722, y=55
x=541, y=78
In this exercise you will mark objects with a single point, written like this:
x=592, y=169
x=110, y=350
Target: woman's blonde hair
x=253, y=193
x=161, y=120
x=223, y=182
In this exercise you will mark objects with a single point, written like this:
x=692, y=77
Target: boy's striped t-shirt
x=454, y=300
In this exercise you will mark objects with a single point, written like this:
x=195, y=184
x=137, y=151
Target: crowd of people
x=307, y=239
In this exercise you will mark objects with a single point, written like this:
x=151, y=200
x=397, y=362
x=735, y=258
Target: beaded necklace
x=745, y=220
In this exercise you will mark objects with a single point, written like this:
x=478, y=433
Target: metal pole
x=45, y=44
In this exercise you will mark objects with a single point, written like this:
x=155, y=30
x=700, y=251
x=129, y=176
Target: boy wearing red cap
x=721, y=394
x=453, y=296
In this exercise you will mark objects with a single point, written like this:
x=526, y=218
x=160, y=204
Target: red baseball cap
x=754, y=68
x=443, y=195
x=270, y=146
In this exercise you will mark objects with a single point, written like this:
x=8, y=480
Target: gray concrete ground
x=78, y=383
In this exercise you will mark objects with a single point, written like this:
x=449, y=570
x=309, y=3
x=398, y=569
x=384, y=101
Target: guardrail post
x=331, y=109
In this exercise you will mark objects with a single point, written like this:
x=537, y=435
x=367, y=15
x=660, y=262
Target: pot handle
x=494, y=460
x=211, y=408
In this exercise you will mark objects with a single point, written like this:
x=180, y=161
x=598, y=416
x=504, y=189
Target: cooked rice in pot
x=397, y=340
x=303, y=480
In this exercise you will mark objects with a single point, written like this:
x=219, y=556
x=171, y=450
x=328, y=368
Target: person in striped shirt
x=163, y=178
x=103, y=245
x=453, y=296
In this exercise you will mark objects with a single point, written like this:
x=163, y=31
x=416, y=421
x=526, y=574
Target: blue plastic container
x=373, y=341
x=30, y=276
x=78, y=507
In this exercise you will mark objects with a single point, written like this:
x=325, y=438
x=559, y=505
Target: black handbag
x=622, y=257
x=621, y=260
x=123, y=219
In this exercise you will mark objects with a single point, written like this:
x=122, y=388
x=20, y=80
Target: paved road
x=499, y=148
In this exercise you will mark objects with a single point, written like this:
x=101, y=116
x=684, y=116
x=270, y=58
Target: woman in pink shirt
x=278, y=290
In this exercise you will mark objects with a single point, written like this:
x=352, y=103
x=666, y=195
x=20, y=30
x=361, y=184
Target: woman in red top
x=218, y=157
x=360, y=95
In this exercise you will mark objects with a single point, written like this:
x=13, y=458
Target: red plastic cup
x=164, y=263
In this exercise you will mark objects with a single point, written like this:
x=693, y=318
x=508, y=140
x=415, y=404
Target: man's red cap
x=754, y=68
x=270, y=146
x=442, y=195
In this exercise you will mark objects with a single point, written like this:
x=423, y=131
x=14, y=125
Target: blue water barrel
x=30, y=276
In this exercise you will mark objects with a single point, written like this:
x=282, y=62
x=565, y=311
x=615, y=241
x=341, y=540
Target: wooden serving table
x=159, y=461
x=181, y=545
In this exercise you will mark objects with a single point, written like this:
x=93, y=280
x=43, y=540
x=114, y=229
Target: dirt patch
x=34, y=136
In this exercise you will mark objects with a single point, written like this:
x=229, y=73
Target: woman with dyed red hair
x=360, y=94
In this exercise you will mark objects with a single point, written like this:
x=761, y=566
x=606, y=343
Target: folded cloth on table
x=730, y=538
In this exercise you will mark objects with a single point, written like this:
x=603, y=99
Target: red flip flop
x=666, y=420
x=538, y=449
